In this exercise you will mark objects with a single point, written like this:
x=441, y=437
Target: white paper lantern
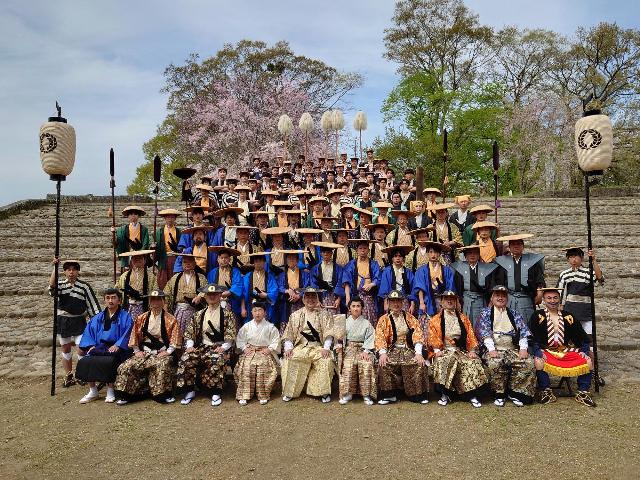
x=306, y=122
x=57, y=147
x=594, y=142
x=285, y=125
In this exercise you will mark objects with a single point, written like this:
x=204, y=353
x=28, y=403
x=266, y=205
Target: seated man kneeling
x=453, y=348
x=307, y=350
x=399, y=345
x=154, y=339
x=106, y=343
x=257, y=368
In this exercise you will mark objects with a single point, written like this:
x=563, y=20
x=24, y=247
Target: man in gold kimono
x=154, y=339
x=307, y=350
x=399, y=344
x=207, y=340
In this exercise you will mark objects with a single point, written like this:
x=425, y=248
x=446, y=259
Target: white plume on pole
x=285, y=126
x=306, y=125
x=326, y=123
x=360, y=124
x=338, y=124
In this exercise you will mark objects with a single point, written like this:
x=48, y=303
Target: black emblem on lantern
x=592, y=137
x=48, y=143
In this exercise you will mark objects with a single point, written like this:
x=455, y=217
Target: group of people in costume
x=315, y=270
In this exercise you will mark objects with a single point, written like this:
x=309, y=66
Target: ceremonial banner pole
x=157, y=172
x=594, y=149
x=445, y=148
x=57, y=156
x=112, y=185
x=496, y=166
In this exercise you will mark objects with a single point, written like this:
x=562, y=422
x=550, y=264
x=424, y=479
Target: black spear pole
x=56, y=271
x=496, y=167
x=112, y=184
x=594, y=335
x=157, y=172
x=445, y=148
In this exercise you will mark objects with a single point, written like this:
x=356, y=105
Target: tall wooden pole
x=594, y=335
x=56, y=270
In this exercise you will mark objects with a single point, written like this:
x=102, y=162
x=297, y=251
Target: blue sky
x=104, y=62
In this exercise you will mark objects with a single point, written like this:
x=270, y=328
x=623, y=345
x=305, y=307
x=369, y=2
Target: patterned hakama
x=402, y=372
x=358, y=377
x=509, y=374
x=307, y=366
x=152, y=373
x=455, y=371
x=370, y=306
x=184, y=314
x=164, y=274
x=202, y=367
x=255, y=374
x=135, y=310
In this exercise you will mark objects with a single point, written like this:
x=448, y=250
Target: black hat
x=213, y=288
x=396, y=295
x=155, y=294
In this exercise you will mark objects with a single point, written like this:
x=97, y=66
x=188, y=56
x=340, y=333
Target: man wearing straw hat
x=420, y=219
x=182, y=290
x=205, y=197
x=132, y=236
x=229, y=276
x=199, y=248
x=399, y=343
x=431, y=280
x=76, y=300
x=208, y=339
x=522, y=273
x=485, y=232
x=397, y=277
x=307, y=350
x=401, y=234
x=504, y=337
x=361, y=277
x=260, y=284
x=166, y=240
x=560, y=347
x=155, y=337
x=474, y=281
x=430, y=201
x=292, y=279
x=480, y=214
x=136, y=283
x=419, y=255
x=453, y=349
x=106, y=343
x=445, y=233
x=326, y=275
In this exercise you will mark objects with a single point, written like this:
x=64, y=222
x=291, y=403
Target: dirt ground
x=55, y=437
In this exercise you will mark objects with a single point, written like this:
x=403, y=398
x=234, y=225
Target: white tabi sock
x=93, y=391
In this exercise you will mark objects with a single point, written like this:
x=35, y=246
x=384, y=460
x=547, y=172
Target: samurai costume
x=166, y=241
x=376, y=253
x=400, y=236
x=307, y=333
x=576, y=295
x=355, y=274
x=416, y=258
x=209, y=329
x=401, y=339
x=231, y=278
x=102, y=332
x=400, y=279
x=470, y=235
x=131, y=237
x=358, y=376
x=135, y=284
x=506, y=332
x=462, y=220
x=181, y=289
x=256, y=282
x=561, y=343
x=431, y=280
x=151, y=373
x=444, y=233
x=256, y=372
x=343, y=255
x=75, y=301
x=474, y=285
x=289, y=279
x=327, y=277
x=454, y=371
x=523, y=278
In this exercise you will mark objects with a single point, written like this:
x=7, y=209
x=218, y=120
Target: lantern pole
x=56, y=272
x=594, y=334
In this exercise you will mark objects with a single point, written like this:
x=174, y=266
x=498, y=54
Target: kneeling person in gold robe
x=358, y=375
x=208, y=338
x=154, y=339
x=257, y=368
x=453, y=349
x=307, y=350
x=399, y=345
